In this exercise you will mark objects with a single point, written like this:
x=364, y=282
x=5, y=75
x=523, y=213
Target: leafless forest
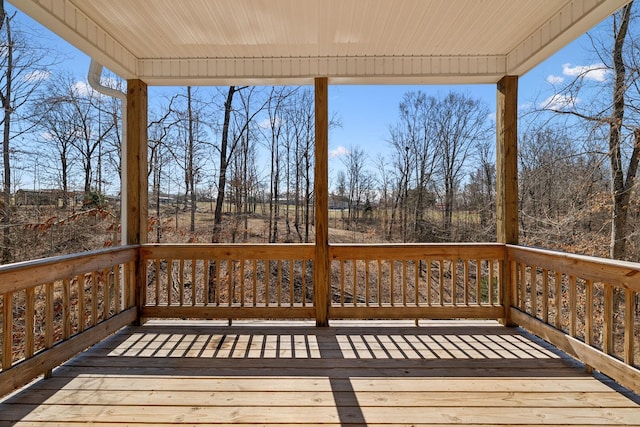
x=235, y=164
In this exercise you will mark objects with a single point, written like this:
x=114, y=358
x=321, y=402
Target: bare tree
x=619, y=56
x=60, y=130
x=461, y=122
x=22, y=71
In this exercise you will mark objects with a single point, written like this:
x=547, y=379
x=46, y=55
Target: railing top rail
x=417, y=251
x=271, y=251
x=21, y=275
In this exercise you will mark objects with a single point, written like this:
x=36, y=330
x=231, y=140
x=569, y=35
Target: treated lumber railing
x=228, y=281
x=417, y=281
x=587, y=307
x=56, y=307
x=366, y=281
x=53, y=308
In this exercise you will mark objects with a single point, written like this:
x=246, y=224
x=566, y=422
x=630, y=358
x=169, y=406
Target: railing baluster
x=266, y=281
x=558, y=299
x=231, y=282
x=94, y=298
x=366, y=282
x=523, y=287
x=292, y=289
x=379, y=282
x=533, y=278
x=607, y=337
x=106, y=299
x=417, y=268
x=355, y=283
x=279, y=282
x=342, y=263
x=573, y=309
x=392, y=274
x=169, y=280
x=242, y=261
x=49, y=317
x=304, y=282
x=157, y=264
x=629, y=358
x=491, y=279
x=194, y=282
x=81, y=314
x=429, y=283
x=545, y=295
x=181, y=281
x=28, y=323
x=466, y=282
x=479, y=300
x=205, y=281
x=255, y=282
x=588, y=317
x=7, y=330
x=454, y=281
x=441, y=273
x=66, y=309
x=130, y=284
x=404, y=282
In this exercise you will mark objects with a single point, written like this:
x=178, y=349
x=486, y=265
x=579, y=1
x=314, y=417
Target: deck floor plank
x=281, y=374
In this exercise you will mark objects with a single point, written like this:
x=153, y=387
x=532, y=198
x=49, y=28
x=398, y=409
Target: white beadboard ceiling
x=198, y=42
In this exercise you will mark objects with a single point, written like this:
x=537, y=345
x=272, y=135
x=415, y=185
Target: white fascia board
x=573, y=20
x=340, y=70
x=65, y=19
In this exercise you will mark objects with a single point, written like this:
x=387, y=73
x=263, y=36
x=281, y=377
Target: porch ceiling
x=168, y=42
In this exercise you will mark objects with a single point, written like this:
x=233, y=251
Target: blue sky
x=366, y=112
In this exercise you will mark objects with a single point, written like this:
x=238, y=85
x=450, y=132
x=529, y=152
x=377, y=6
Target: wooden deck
x=282, y=373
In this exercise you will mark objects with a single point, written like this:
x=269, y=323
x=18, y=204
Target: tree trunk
x=6, y=190
x=620, y=190
x=222, y=178
x=222, y=182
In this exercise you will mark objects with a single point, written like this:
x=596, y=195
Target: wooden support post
x=322, y=288
x=135, y=155
x=507, y=175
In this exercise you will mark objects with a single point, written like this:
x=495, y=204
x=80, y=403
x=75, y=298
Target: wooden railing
x=415, y=281
x=56, y=307
x=587, y=307
x=228, y=281
x=367, y=281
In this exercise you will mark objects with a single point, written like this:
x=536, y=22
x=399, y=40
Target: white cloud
x=36, y=76
x=596, y=72
x=266, y=123
x=338, y=152
x=525, y=106
x=559, y=102
x=555, y=80
x=82, y=88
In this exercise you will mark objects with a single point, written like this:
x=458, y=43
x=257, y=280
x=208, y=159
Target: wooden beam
x=507, y=160
x=507, y=177
x=135, y=179
x=321, y=285
x=136, y=163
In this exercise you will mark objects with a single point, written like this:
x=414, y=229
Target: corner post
x=135, y=179
x=321, y=284
x=507, y=178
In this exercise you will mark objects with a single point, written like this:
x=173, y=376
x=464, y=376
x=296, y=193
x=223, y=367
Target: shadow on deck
x=353, y=373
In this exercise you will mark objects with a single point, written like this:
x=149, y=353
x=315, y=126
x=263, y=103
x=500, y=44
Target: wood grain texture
x=291, y=373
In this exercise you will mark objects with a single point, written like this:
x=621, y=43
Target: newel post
x=321, y=286
x=134, y=176
x=507, y=179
